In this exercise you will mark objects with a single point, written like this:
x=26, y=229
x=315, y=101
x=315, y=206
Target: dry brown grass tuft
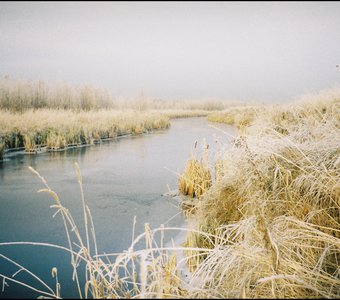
x=196, y=178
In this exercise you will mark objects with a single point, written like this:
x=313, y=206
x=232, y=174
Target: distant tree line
x=22, y=95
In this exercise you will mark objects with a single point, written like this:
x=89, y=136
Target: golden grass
x=58, y=129
x=241, y=116
x=196, y=178
x=274, y=211
x=219, y=167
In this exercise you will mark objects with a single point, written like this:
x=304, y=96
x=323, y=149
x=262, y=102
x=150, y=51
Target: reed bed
x=56, y=130
x=59, y=129
x=241, y=116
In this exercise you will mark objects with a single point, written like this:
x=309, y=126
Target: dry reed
x=196, y=178
x=241, y=116
x=275, y=208
x=58, y=129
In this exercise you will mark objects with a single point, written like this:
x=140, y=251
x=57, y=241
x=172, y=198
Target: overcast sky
x=263, y=51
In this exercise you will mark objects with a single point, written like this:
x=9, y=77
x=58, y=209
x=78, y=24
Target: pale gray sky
x=264, y=51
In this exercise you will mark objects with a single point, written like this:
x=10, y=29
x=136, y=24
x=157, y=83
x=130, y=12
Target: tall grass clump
x=196, y=178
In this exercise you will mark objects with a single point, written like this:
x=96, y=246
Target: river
x=122, y=178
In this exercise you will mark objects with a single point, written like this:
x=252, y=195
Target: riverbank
x=35, y=131
x=270, y=222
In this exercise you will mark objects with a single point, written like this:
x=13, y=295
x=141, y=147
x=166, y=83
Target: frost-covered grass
x=268, y=226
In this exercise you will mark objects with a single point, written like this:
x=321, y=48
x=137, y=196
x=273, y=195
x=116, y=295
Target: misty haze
x=179, y=149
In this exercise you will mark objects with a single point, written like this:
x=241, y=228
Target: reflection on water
x=122, y=178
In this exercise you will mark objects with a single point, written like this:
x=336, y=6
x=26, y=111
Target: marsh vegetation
x=36, y=116
x=271, y=220
x=267, y=225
